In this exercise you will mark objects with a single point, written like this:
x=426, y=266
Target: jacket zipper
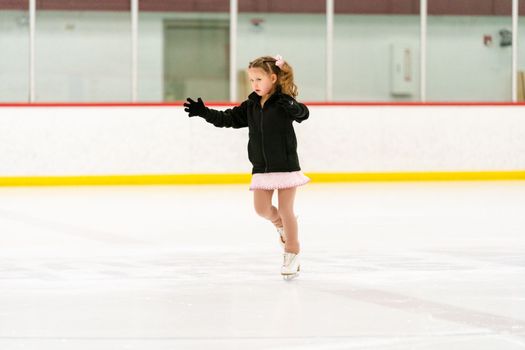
x=262, y=144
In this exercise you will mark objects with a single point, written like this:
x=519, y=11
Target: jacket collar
x=256, y=98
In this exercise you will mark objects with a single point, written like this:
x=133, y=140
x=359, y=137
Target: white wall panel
x=163, y=140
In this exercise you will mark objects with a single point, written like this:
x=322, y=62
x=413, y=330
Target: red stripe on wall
x=220, y=103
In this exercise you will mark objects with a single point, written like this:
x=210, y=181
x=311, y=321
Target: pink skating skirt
x=276, y=181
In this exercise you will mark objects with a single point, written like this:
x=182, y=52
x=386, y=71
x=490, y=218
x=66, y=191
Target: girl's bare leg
x=262, y=200
x=286, y=212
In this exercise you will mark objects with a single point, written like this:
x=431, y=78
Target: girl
x=272, y=147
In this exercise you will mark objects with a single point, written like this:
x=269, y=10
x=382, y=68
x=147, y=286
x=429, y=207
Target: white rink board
x=163, y=140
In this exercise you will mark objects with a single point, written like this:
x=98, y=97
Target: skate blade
x=291, y=276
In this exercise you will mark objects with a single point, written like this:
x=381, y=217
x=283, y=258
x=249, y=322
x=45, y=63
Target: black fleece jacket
x=272, y=145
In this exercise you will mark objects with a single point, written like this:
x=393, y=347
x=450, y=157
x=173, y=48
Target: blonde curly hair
x=284, y=73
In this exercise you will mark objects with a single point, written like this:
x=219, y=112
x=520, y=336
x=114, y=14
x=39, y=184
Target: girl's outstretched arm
x=235, y=117
x=296, y=110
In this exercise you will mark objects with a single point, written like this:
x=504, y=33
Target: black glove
x=195, y=108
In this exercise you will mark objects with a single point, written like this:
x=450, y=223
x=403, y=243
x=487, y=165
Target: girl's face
x=262, y=83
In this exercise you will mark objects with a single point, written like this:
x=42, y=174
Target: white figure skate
x=291, y=266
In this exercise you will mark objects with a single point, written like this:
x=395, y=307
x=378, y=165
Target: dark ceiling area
x=372, y=7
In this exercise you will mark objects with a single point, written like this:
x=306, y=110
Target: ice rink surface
x=429, y=265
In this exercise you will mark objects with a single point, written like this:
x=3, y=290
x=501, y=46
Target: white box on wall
x=401, y=70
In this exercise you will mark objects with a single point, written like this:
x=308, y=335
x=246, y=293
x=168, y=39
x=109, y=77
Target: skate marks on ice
x=195, y=299
x=448, y=285
x=67, y=230
x=492, y=323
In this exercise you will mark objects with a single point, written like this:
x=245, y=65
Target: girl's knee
x=286, y=212
x=263, y=210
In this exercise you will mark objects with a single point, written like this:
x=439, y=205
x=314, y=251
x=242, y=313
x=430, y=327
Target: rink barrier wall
x=54, y=144
x=201, y=179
